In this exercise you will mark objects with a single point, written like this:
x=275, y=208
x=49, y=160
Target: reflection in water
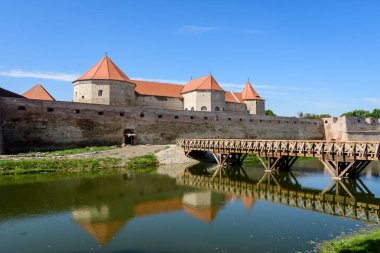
x=346, y=198
x=103, y=206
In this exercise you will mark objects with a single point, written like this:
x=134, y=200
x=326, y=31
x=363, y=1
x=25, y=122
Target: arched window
x=192, y=108
x=203, y=108
x=217, y=109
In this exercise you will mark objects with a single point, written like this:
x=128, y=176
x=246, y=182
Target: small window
x=82, y=97
x=176, y=117
x=76, y=94
x=270, y=121
x=50, y=109
x=358, y=120
x=217, y=109
x=21, y=108
x=142, y=115
x=100, y=113
x=295, y=122
x=206, y=118
x=191, y=117
x=186, y=109
x=76, y=111
x=160, y=116
x=100, y=93
x=240, y=119
x=250, y=120
x=203, y=108
x=279, y=121
x=229, y=118
x=192, y=108
x=122, y=114
x=261, y=121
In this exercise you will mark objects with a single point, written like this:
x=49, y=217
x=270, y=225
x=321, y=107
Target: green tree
x=375, y=113
x=270, y=113
x=358, y=113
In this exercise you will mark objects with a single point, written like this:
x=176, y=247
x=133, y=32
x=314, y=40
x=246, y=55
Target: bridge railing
x=350, y=150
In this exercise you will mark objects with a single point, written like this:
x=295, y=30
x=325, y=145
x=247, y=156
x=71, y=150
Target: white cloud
x=251, y=31
x=40, y=75
x=196, y=30
x=373, y=101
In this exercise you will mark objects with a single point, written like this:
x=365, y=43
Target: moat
x=126, y=212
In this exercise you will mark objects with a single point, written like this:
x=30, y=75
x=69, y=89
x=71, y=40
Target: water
x=155, y=213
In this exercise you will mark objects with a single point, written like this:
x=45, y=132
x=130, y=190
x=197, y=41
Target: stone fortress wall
x=46, y=125
x=352, y=129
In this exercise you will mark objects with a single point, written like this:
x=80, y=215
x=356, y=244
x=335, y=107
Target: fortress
x=106, y=84
x=111, y=109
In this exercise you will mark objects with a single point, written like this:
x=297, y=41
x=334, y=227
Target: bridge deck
x=325, y=150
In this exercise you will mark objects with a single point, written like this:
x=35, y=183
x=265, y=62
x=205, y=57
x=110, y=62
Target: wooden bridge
x=364, y=208
x=341, y=159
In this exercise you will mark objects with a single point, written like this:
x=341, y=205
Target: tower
x=203, y=94
x=104, y=84
x=255, y=104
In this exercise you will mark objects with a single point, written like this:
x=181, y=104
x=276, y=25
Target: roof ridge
x=233, y=94
x=100, y=64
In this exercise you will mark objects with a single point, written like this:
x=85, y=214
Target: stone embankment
x=174, y=155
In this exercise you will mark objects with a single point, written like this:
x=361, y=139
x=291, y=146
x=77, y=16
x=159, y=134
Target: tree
x=307, y=115
x=358, y=113
x=270, y=113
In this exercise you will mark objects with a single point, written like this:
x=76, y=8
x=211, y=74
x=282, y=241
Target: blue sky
x=301, y=55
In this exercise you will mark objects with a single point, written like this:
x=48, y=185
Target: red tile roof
x=105, y=69
x=232, y=97
x=158, y=89
x=38, y=92
x=202, y=83
x=249, y=93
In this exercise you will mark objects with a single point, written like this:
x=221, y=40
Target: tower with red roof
x=255, y=103
x=203, y=94
x=105, y=84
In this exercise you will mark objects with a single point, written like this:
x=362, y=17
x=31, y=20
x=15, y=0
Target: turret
x=203, y=94
x=255, y=104
x=105, y=84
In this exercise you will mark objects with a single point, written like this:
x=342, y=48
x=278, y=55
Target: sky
x=315, y=56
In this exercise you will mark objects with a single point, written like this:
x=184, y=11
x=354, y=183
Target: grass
x=252, y=160
x=368, y=241
x=143, y=164
x=72, y=151
x=139, y=164
x=9, y=167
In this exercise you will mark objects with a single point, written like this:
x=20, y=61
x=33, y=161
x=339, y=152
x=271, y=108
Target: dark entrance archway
x=129, y=136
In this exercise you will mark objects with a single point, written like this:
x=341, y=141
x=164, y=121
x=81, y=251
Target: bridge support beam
x=229, y=159
x=283, y=163
x=340, y=170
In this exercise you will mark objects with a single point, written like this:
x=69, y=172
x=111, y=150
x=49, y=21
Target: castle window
x=205, y=117
x=191, y=117
x=240, y=119
x=76, y=94
x=176, y=117
x=50, y=109
x=122, y=114
x=82, y=97
x=192, y=108
x=358, y=120
x=229, y=118
x=100, y=113
x=160, y=116
x=203, y=108
x=250, y=120
x=21, y=108
x=142, y=115
x=76, y=111
x=100, y=93
x=217, y=109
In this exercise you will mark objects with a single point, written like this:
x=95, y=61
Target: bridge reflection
x=349, y=198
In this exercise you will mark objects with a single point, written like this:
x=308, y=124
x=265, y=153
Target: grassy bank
x=368, y=241
x=8, y=167
x=145, y=163
x=73, y=151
